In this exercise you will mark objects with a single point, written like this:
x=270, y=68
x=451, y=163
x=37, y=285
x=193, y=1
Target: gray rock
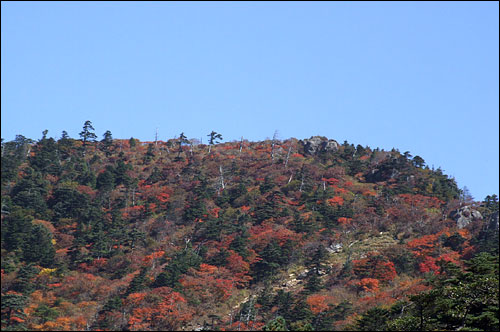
x=465, y=215
x=316, y=144
x=331, y=145
x=334, y=248
x=303, y=274
x=476, y=214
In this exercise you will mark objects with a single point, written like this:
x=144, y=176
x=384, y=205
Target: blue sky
x=420, y=77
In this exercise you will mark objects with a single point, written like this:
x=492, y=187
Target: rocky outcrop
x=334, y=248
x=465, y=215
x=317, y=144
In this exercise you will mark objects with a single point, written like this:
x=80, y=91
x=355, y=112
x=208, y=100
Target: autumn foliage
x=162, y=235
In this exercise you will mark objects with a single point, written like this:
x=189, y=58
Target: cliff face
x=129, y=235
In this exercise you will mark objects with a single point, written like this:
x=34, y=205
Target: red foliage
x=429, y=265
x=369, y=193
x=87, y=190
x=336, y=200
x=58, y=284
x=151, y=259
x=214, y=212
x=368, y=285
x=331, y=181
x=452, y=257
x=421, y=201
x=344, y=220
x=163, y=197
x=16, y=319
x=160, y=309
x=245, y=208
x=262, y=235
x=239, y=267
x=209, y=284
x=241, y=326
x=424, y=245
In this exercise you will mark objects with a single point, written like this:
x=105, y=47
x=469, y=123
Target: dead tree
x=288, y=156
x=221, y=184
x=273, y=144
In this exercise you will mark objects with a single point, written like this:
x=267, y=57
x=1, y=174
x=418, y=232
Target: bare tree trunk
x=221, y=184
x=239, y=322
x=273, y=145
x=249, y=311
x=301, y=182
x=288, y=156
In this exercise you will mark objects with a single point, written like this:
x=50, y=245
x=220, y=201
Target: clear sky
x=418, y=76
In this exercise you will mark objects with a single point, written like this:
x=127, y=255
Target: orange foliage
x=163, y=197
x=368, y=285
x=340, y=190
x=318, y=303
x=421, y=201
x=16, y=319
x=375, y=266
x=344, y=220
x=337, y=200
x=262, y=235
x=152, y=258
x=160, y=309
x=210, y=284
x=331, y=181
x=424, y=245
x=87, y=190
x=429, y=265
x=244, y=208
x=215, y=212
x=241, y=326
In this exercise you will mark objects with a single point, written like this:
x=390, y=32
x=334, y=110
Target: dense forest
x=305, y=235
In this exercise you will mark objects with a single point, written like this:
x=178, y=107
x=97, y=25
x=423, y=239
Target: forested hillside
x=309, y=235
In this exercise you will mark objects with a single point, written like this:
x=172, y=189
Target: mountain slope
x=297, y=234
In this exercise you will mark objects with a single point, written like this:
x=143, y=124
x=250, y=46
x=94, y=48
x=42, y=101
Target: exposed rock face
x=465, y=215
x=334, y=248
x=303, y=274
x=317, y=144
